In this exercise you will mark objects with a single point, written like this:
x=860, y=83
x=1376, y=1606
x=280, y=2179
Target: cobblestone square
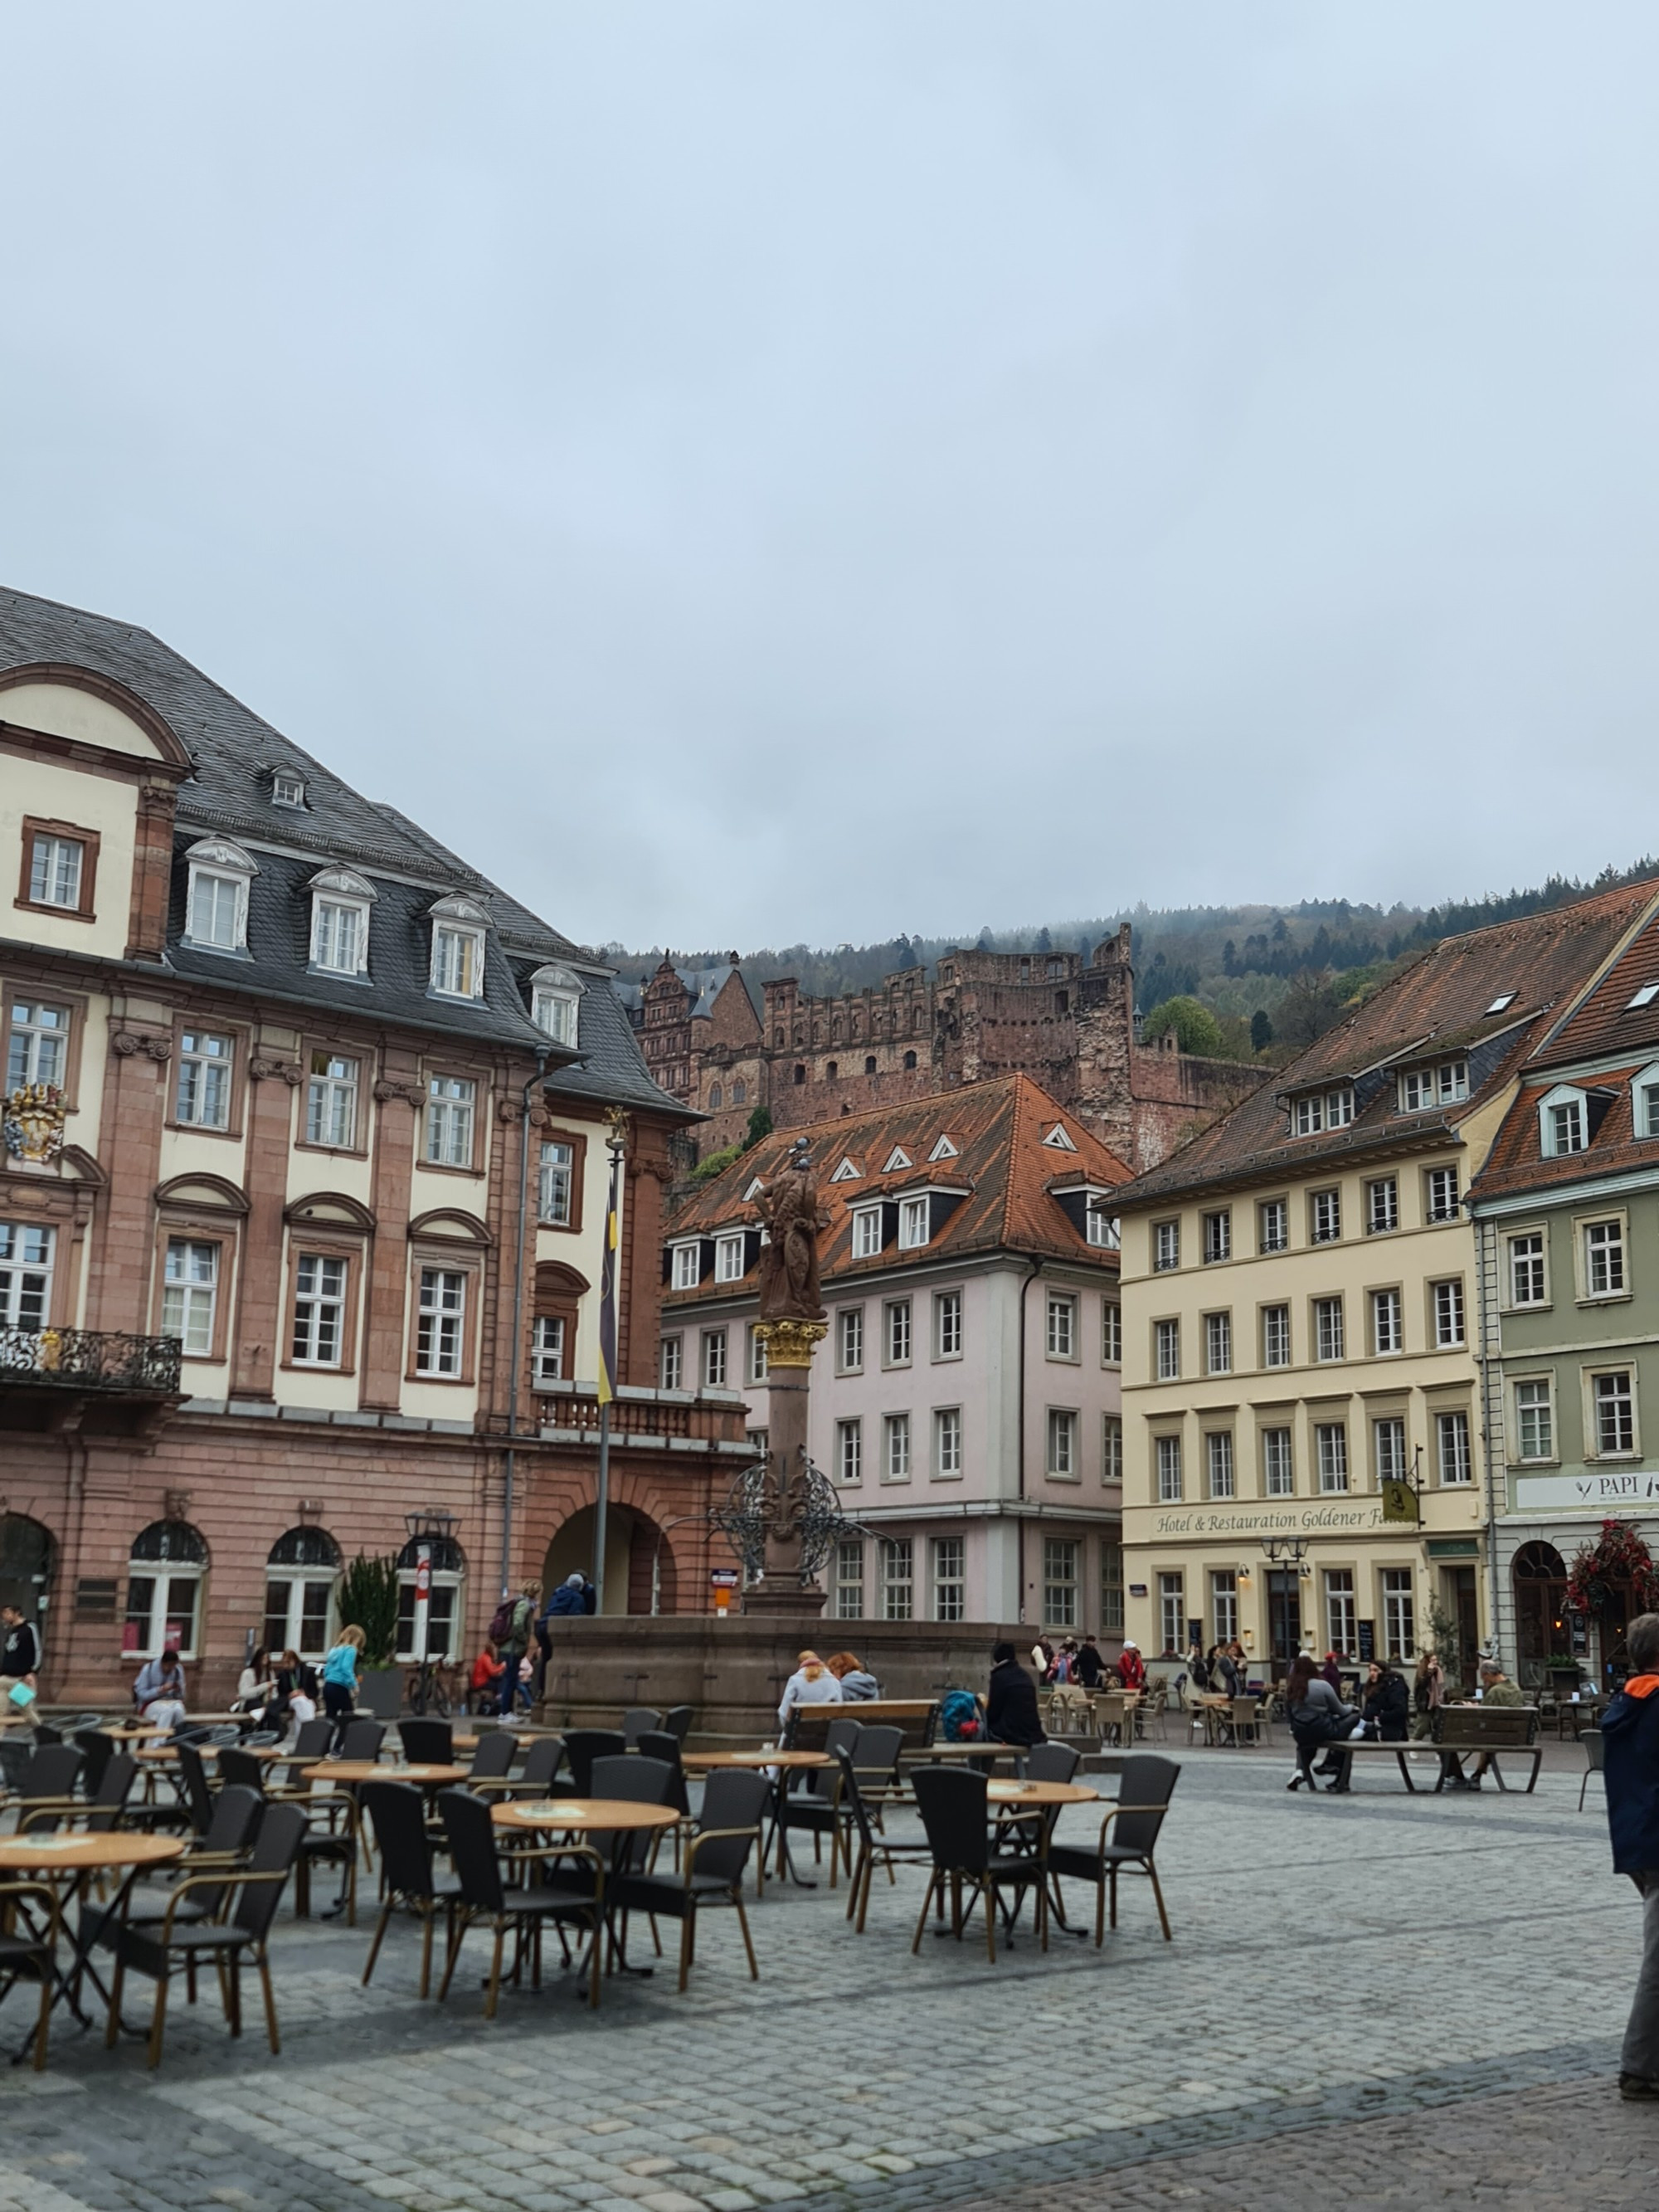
x=1379, y=1999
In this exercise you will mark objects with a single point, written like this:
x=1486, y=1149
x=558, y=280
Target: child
x=487, y=1671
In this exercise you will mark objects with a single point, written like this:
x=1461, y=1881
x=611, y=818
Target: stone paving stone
x=1307, y=1931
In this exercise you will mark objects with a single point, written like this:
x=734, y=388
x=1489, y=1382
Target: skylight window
x=1504, y=998
x=287, y=789
x=1646, y=995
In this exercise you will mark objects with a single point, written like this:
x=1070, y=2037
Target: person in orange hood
x=1630, y=1746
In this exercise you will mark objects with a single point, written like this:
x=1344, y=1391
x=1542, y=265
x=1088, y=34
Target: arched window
x=299, y=1577
x=870, y=1064
x=800, y=1074
x=716, y=1097
x=909, y=1059
x=739, y=1092
x=165, y=1571
x=1543, y=1631
x=832, y=1071
x=444, y=1611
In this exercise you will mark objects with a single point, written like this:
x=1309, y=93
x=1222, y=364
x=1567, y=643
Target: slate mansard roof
x=1445, y=1005
x=234, y=753
x=1003, y=1161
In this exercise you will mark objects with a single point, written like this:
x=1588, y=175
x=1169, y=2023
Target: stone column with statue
x=792, y=1327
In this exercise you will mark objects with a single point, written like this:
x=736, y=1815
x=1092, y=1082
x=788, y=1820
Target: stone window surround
x=35, y=825
x=77, y=1004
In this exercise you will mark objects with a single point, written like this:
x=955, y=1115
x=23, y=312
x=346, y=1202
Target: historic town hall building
x=307, y=1133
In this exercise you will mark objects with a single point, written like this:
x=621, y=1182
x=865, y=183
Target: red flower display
x=1617, y=1556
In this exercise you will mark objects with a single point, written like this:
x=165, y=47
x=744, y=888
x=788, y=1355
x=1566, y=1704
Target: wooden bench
x=918, y=1717
x=1496, y=1730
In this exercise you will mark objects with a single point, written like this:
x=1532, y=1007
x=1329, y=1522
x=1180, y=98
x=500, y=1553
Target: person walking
x=19, y=1653
x=1011, y=1708
x=1428, y=1694
x=1630, y=1751
x=1317, y=1716
x=512, y=1648
x=340, y=1680
x=1091, y=1666
x=1131, y=1666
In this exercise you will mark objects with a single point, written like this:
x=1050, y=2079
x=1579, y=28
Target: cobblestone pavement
x=1371, y=2000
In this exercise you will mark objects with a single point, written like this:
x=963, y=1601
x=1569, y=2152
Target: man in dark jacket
x=1630, y=1745
x=1010, y=1710
x=20, y=1655
x=1091, y=1666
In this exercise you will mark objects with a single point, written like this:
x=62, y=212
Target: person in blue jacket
x=571, y=1596
x=1629, y=1744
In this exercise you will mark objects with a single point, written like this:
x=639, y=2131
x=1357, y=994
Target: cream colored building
x=1300, y=1316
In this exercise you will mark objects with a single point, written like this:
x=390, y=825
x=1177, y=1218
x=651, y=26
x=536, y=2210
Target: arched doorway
x=28, y=1556
x=637, y=1556
x=1543, y=1632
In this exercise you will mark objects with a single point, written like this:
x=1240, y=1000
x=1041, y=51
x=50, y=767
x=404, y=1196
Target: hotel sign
x=1310, y=1520
x=1634, y=1493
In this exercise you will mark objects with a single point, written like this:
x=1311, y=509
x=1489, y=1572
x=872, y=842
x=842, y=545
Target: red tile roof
x=1010, y=1173
x=1438, y=1006
x=1515, y=1163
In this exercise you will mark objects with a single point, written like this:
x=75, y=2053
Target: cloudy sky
x=745, y=472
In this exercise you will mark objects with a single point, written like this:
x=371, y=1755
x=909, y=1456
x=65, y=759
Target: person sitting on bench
x=1496, y=1689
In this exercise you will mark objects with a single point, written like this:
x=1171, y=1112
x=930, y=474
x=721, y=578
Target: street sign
x=724, y=1578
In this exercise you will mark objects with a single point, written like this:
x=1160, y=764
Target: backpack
x=500, y=1622
x=958, y=1717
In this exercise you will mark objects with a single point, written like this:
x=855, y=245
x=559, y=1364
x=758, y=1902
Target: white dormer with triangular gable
x=944, y=1150
x=755, y=1188
x=847, y=1172
x=897, y=1158
x=1058, y=1141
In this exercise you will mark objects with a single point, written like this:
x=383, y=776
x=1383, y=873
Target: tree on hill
x=760, y=1125
x=1195, y=1026
x=1262, y=1031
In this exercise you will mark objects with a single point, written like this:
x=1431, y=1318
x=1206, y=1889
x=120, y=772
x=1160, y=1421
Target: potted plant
x=369, y=1596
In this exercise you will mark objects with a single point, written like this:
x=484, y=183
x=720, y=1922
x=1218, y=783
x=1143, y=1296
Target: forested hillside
x=1269, y=977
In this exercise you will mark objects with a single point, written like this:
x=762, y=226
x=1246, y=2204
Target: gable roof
x=1438, y=1006
x=1008, y=1174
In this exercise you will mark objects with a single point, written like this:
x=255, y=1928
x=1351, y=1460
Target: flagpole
x=615, y=1143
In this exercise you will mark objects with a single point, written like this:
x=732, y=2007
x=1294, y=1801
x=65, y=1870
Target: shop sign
x=1595, y=1493
x=1309, y=1520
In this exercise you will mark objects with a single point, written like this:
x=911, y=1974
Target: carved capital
x=289, y=1071
x=410, y=1093
x=791, y=1343
x=511, y=1109
x=128, y=1042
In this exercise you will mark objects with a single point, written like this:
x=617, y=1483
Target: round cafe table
x=779, y=1763
x=350, y=1771
x=68, y=1862
x=617, y=1817
x=767, y=1757
x=1042, y=1793
x=135, y=1731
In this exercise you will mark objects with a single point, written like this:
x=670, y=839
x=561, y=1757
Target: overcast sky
x=748, y=473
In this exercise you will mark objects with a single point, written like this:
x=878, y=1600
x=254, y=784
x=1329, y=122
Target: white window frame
x=191, y=1269
x=1062, y=1572
x=1166, y=1246
x=1273, y=1225
x=332, y=1100
x=1453, y=1453
x=440, y=1321
x=947, y=1443
x=1441, y=1195
x=1220, y=1463
x=1331, y=1456
x=849, y=1578
x=1172, y=1610
x=947, y=1564
x=1224, y=1605
x=287, y=789
x=1325, y=1217
x=712, y=1358
x=549, y=1349
x=896, y=1447
x=866, y=1232
x=1421, y=1089
x=1602, y=1398
x=216, y=862
x=49, y=878
x=340, y=905
x=1061, y=1427
x=1387, y=1324
x=202, y=1093
x=1533, y=1418
x=1563, y=1122
x=1278, y=1463
x=1330, y=1331
x=896, y=1566
x=728, y=1259
x=1166, y=1459
x=1535, y=1262
x=1448, y=1308
x=450, y=1120
x=1644, y=1103
x=849, y=1340
x=1382, y=1205
x=321, y=1281
x=161, y=1574
x=850, y=1450
x=1111, y=1333
x=1166, y=1348
x=1060, y=1326
x=898, y=1335
x=27, y=1254
x=555, y=999
x=686, y=1265
x=671, y=1362
x=37, y=1051
x=947, y=1324
x=1101, y=1229
x=1398, y=1614
x=556, y=1183
x=1276, y=1335
x=1389, y=1447
x=914, y=1226
x=1604, y=1258
x=1216, y=1229
x=457, y=969
x=1217, y=1343
x=1111, y=1448
x=1341, y=1611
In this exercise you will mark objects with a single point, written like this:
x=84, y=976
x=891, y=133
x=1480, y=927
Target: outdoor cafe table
x=68, y=1862
x=572, y=1816
x=350, y=1771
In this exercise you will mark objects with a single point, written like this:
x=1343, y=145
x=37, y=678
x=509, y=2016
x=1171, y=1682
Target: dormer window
x=687, y=1267
x=216, y=908
x=1563, y=1125
x=1321, y=1110
x=914, y=1225
x=1102, y=1229
x=287, y=789
x=554, y=1003
x=457, y=949
x=340, y=901
x=866, y=1232
x=1422, y=1089
x=1644, y=1103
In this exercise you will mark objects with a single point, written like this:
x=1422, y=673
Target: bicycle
x=427, y=1690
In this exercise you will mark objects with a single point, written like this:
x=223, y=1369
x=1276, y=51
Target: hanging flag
x=608, y=1288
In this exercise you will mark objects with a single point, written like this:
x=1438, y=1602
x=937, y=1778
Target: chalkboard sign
x=1367, y=1642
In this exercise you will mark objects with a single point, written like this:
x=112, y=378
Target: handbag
x=20, y=1697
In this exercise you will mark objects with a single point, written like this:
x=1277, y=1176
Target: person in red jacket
x=1131, y=1666
x=486, y=1674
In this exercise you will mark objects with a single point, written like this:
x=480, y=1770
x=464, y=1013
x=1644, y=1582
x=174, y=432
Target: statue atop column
x=791, y=1327
x=789, y=1211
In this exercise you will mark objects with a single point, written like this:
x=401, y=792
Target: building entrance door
x=1283, y=1617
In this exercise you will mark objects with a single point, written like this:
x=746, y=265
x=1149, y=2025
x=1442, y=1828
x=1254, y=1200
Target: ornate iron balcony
x=91, y=1360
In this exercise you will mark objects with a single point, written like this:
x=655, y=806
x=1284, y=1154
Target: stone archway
x=637, y=1554
x=29, y=1559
